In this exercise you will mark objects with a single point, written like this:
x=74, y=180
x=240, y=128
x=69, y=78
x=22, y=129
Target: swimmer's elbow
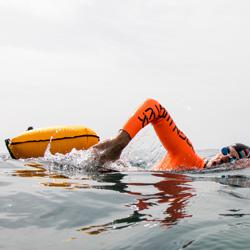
x=151, y=101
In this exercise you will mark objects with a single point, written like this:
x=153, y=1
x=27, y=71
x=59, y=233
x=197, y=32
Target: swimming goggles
x=225, y=150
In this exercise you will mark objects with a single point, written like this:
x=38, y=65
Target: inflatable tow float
x=62, y=139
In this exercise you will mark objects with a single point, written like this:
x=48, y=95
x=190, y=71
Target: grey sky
x=92, y=62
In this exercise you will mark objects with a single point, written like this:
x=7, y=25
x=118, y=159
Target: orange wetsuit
x=181, y=154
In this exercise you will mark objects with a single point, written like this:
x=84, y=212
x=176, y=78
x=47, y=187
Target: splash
x=82, y=161
x=86, y=160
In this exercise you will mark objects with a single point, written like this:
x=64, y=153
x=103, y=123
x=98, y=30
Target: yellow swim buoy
x=63, y=139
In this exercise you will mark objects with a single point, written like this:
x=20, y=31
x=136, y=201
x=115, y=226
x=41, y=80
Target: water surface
x=48, y=205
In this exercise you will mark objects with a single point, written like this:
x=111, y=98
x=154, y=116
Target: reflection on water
x=171, y=191
x=235, y=180
x=116, y=224
x=37, y=171
x=185, y=209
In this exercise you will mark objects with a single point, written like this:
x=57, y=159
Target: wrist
x=123, y=139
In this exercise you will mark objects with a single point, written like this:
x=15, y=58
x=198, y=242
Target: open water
x=54, y=203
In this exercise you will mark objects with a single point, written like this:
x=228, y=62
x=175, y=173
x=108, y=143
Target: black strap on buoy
x=7, y=142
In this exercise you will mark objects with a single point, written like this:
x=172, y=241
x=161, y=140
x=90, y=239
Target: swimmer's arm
x=218, y=159
x=110, y=150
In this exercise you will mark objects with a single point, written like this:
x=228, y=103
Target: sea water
x=63, y=202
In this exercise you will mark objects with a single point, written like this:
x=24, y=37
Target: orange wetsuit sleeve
x=180, y=150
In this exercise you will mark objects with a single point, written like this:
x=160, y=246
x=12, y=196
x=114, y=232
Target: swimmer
x=180, y=151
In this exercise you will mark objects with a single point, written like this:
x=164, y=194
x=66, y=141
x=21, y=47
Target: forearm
x=122, y=139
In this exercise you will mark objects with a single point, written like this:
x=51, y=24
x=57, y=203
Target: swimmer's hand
x=110, y=150
x=218, y=159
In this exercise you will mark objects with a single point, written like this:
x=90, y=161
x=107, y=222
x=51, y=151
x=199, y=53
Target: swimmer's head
x=230, y=152
x=237, y=150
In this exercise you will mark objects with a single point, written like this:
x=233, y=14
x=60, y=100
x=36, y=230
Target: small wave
x=4, y=157
x=225, y=167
